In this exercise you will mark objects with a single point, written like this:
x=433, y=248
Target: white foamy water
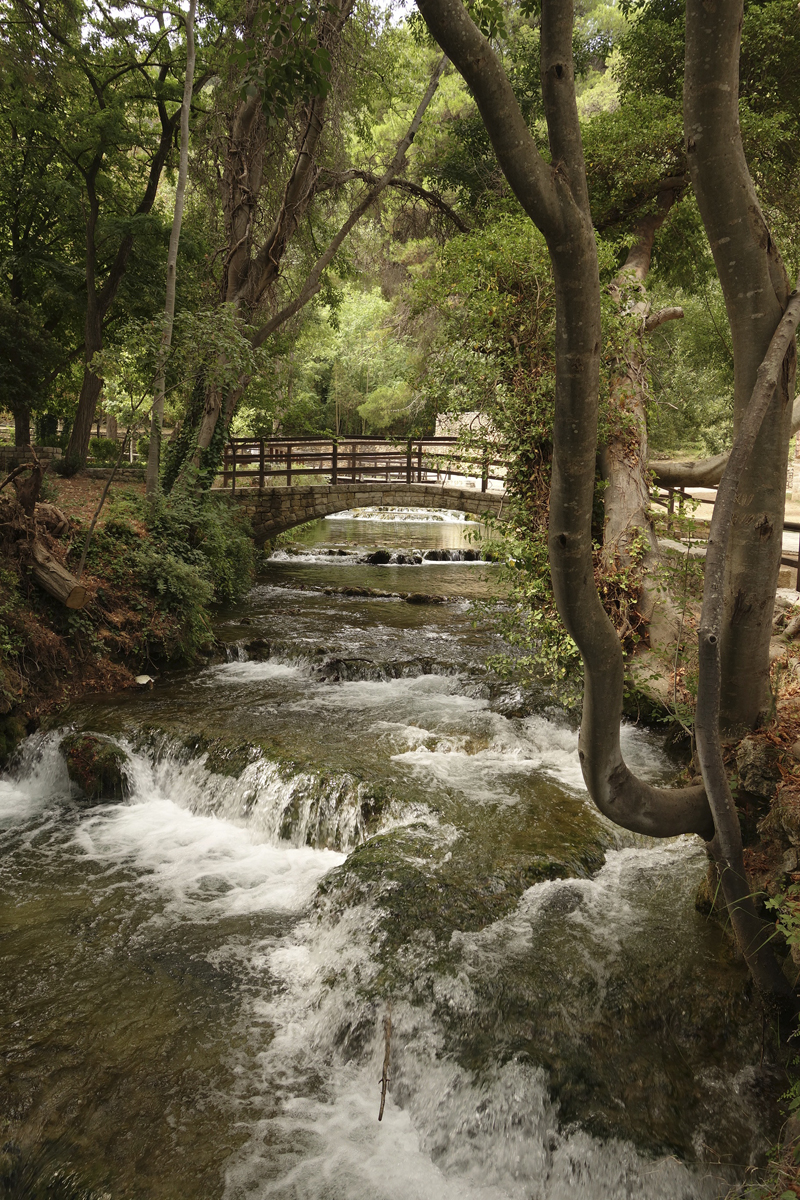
x=448, y=1133
x=531, y=744
x=202, y=867
x=251, y=672
x=39, y=781
x=404, y=516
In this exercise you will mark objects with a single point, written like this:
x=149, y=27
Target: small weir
x=352, y=817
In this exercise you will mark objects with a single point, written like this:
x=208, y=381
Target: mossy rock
x=97, y=766
x=12, y=731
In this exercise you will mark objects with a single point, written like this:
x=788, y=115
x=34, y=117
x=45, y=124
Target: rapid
x=348, y=816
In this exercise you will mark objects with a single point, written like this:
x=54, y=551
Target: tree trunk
x=157, y=420
x=92, y=386
x=628, y=535
x=55, y=579
x=726, y=847
x=624, y=457
x=756, y=291
x=22, y=426
x=557, y=201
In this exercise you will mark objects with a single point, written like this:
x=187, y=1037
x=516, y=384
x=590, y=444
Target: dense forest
x=571, y=237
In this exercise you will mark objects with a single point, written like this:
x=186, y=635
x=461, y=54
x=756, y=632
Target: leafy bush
x=104, y=450
x=181, y=588
x=206, y=534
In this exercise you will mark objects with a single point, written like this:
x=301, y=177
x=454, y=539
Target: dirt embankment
x=49, y=654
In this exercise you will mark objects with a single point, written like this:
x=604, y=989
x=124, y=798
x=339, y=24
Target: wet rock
x=435, y=555
x=258, y=648
x=97, y=766
x=423, y=598
x=378, y=558
x=758, y=768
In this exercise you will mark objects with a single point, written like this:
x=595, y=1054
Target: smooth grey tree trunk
x=756, y=290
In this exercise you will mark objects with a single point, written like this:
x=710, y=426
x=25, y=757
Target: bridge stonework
x=274, y=510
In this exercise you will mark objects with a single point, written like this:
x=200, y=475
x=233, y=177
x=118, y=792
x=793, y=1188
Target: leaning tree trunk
x=557, y=201
x=756, y=291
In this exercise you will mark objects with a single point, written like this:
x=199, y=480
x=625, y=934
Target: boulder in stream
x=97, y=766
x=379, y=558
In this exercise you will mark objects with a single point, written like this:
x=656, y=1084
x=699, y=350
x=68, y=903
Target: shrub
x=104, y=450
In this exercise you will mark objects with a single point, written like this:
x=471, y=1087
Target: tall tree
x=157, y=420
x=112, y=74
x=555, y=195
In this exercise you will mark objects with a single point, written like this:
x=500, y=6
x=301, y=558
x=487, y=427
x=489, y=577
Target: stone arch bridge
x=273, y=510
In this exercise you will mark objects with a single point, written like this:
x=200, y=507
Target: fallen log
x=55, y=579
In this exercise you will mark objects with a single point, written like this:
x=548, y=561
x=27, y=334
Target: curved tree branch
x=727, y=843
x=556, y=199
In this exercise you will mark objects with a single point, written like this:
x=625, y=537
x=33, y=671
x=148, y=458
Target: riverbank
x=152, y=575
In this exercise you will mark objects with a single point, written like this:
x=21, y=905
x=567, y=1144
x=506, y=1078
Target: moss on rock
x=96, y=765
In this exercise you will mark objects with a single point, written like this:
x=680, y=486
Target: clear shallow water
x=362, y=820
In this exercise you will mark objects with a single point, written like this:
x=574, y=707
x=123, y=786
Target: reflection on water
x=353, y=816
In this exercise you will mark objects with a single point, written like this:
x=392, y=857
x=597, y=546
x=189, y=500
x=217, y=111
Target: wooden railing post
x=289, y=465
x=261, y=464
x=485, y=471
x=353, y=461
x=419, y=462
x=225, y=461
x=408, y=462
x=233, y=449
x=335, y=461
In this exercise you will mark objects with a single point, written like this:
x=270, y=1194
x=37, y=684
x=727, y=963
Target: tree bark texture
x=756, y=290
x=22, y=426
x=751, y=933
x=623, y=459
x=157, y=418
x=555, y=197
x=55, y=579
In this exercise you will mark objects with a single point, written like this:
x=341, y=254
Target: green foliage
x=104, y=450
x=283, y=59
x=690, y=364
x=208, y=536
x=10, y=640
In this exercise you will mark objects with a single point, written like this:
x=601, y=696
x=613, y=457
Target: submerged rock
x=97, y=766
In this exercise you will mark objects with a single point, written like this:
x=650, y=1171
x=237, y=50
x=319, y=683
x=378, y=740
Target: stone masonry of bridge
x=274, y=510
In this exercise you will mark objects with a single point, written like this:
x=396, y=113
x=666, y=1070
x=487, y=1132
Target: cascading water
x=351, y=817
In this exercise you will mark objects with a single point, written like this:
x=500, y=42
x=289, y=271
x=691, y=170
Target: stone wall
x=13, y=456
x=274, y=510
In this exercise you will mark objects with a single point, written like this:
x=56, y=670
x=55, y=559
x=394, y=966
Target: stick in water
x=387, y=1033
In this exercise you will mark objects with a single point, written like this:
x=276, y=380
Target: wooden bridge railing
x=667, y=497
x=267, y=462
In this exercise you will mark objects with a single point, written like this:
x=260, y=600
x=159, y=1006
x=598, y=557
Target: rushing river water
x=348, y=819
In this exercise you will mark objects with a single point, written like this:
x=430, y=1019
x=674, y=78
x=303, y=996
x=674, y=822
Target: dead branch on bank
x=387, y=1034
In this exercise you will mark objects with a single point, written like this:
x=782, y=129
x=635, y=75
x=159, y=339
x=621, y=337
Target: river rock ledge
x=97, y=766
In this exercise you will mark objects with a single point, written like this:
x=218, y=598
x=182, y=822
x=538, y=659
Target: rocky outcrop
x=97, y=766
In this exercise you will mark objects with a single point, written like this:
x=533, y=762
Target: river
x=352, y=818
